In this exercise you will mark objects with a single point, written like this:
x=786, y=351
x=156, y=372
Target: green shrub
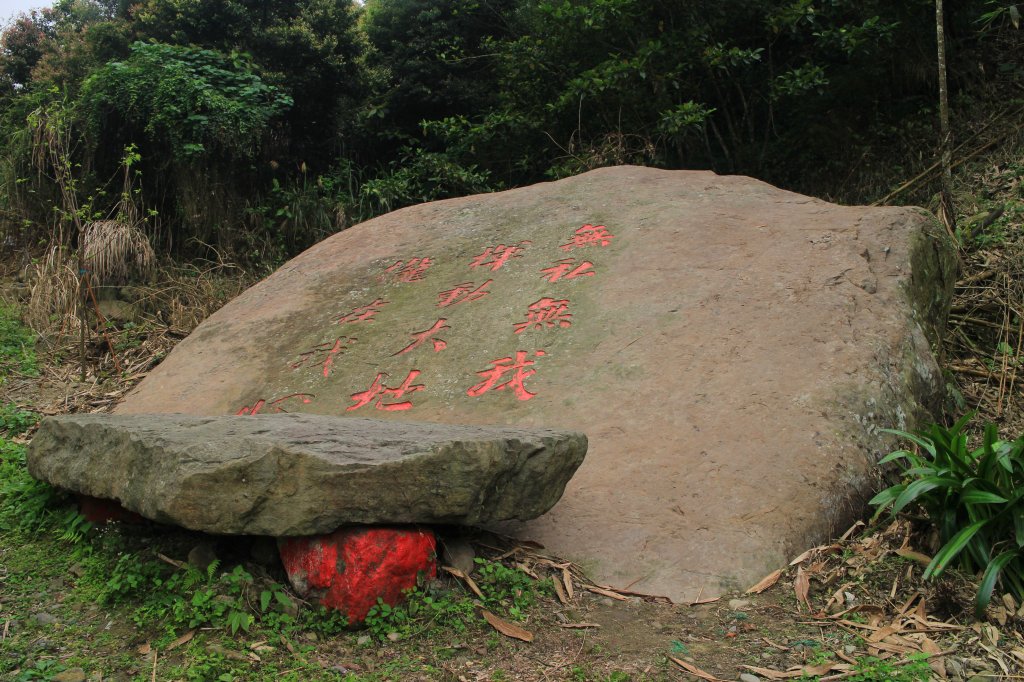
x=974, y=498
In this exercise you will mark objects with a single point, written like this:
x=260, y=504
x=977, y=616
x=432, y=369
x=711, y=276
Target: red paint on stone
x=411, y=271
x=567, y=269
x=547, y=312
x=363, y=313
x=276, y=405
x=502, y=366
x=494, y=257
x=588, y=235
x=349, y=569
x=462, y=293
x=378, y=391
x=325, y=351
x=99, y=511
x=427, y=335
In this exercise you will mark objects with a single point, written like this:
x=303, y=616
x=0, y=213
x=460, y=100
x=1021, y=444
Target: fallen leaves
x=803, y=671
x=765, y=582
x=802, y=587
x=605, y=592
x=694, y=670
x=470, y=583
x=508, y=629
x=184, y=639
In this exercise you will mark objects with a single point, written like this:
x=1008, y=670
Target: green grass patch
x=17, y=345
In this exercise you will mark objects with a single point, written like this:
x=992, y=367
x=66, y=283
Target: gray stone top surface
x=300, y=474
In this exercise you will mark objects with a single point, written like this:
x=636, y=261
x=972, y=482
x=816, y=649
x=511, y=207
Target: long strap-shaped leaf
x=919, y=487
x=952, y=548
x=988, y=581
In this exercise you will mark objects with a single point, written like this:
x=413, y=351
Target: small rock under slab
x=348, y=570
x=100, y=511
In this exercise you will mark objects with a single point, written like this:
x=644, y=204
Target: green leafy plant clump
x=974, y=499
x=17, y=345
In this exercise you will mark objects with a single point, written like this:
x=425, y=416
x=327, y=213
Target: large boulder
x=304, y=474
x=731, y=350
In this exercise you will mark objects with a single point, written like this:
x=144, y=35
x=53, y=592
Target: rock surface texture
x=729, y=348
x=303, y=474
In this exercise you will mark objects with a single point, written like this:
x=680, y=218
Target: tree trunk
x=946, y=211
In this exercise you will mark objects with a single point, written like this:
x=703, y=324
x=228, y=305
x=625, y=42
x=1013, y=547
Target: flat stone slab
x=304, y=474
x=731, y=350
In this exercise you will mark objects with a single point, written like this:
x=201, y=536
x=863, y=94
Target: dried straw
x=117, y=251
x=53, y=305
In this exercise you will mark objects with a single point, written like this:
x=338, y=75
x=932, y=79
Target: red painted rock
x=98, y=510
x=351, y=568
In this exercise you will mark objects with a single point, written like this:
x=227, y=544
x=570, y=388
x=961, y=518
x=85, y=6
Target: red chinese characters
x=462, y=293
x=324, y=354
x=568, y=269
x=547, y=312
x=427, y=335
x=378, y=392
x=496, y=256
x=274, y=406
x=517, y=371
x=407, y=271
x=363, y=313
x=588, y=235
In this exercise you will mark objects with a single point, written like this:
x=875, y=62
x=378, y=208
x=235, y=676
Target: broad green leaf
x=981, y=497
x=925, y=444
x=920, y=487
x=899, y=454
x=886, y=497
x=952, y=548
x=988, y=581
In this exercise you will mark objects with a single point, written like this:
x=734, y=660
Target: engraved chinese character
x=363, y=313
x=517, y=369
x=496, y=256
x=428, y=335
x=378, y=391
x=462, y=293
x=411, y=271
x=546, y=312
x=326, y=351
x=588, y=235
x=274, y=406
x=567, y=269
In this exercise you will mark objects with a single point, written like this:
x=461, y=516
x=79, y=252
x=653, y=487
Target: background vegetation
x=261, y=127
x=188, y=137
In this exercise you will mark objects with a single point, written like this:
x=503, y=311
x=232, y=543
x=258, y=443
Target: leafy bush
x=191, y=98
x=974, y=498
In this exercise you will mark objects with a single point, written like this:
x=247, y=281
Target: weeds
x=974, y=498
x=871, y=669
x=17, y=345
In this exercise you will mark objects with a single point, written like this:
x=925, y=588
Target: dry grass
x=182, y=297
x=116, y=252
x=985, y=342
x=52, y=310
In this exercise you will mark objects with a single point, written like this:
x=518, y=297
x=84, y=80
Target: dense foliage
x=262, y=126
x=971, y=497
